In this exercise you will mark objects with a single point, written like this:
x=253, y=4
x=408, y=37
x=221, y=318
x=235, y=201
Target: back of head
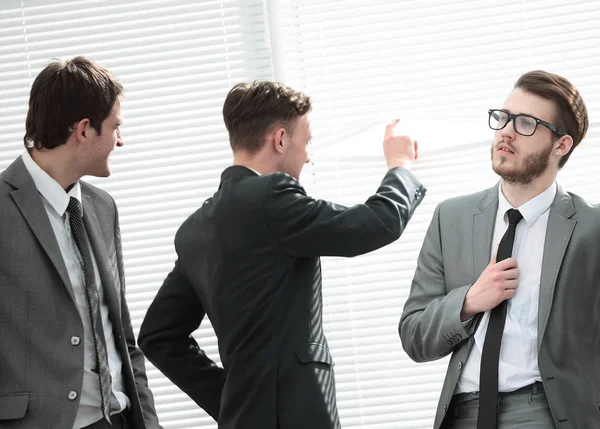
x=64, y=93
x=252, y=109
x=571, y=113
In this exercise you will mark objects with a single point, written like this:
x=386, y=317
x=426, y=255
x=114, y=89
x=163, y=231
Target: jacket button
x=75, y=340
x=445, y=408
x=460, y=366
x=72, y=395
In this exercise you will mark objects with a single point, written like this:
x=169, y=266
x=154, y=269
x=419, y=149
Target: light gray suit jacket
x=39, y=366
x=455, y=252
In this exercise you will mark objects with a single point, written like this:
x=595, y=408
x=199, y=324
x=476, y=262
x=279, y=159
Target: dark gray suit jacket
x=38, y=316
x=249, y=259
x=456, y=251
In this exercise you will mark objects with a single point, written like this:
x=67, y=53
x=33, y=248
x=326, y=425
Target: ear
x=563, y=145
x=82, y=130
x=279, y=139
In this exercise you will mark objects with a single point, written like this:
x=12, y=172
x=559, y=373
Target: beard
x=533, y=166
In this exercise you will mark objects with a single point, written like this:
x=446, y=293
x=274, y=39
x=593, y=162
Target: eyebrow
x=520, y=113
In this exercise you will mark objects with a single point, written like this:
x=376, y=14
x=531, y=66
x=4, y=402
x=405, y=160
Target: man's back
x=249, y=285
x=249, y=258
x=264, y=304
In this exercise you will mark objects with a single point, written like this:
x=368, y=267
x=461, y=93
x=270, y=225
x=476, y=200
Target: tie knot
x=74, y=208
x=514, y=216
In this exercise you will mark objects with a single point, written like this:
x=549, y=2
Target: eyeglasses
x=523, y=124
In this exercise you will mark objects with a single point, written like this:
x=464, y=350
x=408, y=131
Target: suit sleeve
x=135, y=354
x=166, y=340
x=430, y=327
x=306, y=227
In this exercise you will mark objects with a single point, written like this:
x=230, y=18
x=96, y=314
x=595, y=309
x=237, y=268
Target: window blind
x=442, y=65
x=177, y=61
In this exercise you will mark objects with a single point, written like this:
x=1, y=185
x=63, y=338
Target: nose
x=508, y=132
x=307, y=159
x=119, y=139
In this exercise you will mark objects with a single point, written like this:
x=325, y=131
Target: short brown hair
x=251, y=109
x=571, y=114
x=64, y=93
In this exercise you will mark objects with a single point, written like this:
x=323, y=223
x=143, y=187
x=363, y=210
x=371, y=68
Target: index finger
x=507, y=263
x=389, y=129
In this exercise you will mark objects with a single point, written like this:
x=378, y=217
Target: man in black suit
x=249, y=259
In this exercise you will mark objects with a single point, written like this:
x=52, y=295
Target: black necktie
x=490, y=356
x=93, y=302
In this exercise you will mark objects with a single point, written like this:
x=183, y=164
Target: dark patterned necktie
x=490, y=356
x=93, y=302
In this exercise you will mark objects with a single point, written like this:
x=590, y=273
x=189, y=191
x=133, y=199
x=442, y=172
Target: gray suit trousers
x=527, y=408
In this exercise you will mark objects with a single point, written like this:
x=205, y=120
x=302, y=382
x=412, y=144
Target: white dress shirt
x=55, y=201
x=518, y=366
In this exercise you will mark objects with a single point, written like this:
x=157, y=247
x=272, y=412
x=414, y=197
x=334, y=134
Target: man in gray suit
x=544, y=370
x=68, y=357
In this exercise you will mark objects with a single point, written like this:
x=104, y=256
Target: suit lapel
x=29, y=202
x=558, y=233
x=484, y=219
x=97, y=242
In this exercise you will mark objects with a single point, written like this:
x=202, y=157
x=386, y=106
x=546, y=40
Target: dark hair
x=252, y=109
x=64, y=93
x=571, y=114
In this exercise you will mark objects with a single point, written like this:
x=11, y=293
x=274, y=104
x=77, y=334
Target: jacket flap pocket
x=313, y=352
x=13, y=405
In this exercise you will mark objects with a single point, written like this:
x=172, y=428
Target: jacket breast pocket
x=313, y=352
x=13, y=405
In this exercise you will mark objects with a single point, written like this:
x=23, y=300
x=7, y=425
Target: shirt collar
x=533, y=208
x=49, y=188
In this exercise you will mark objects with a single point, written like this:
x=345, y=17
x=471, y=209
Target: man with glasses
x=508, y=278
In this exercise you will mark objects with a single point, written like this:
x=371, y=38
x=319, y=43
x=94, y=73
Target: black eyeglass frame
x=511, y=116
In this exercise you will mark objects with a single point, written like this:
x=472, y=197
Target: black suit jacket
x=39, y=362
x=249, y=259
